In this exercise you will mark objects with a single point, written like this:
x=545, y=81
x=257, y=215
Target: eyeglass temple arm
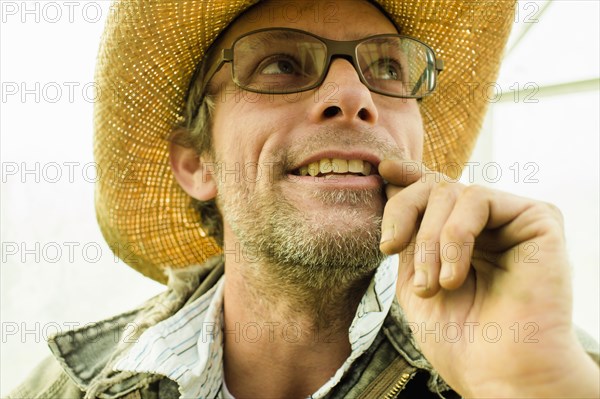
x=226, y=56
x=439, y=67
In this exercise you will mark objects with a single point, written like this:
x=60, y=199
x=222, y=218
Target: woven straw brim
x=149, y=52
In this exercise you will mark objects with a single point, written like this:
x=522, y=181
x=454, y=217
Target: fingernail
x=420, y=280
x=446, y=272
x=387, y=235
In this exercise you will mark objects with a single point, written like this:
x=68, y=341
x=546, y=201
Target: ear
x=194, y=175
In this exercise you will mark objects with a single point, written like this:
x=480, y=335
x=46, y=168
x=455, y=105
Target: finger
x=537, y=220
x=476, y=209
x=406, y=270
x=401, y=217
x=408, y=191
x=391, y=190
x=427, y=255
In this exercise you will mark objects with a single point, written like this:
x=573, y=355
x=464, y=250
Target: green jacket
x=83, y=359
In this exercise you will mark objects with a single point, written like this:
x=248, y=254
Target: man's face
x=262, y=141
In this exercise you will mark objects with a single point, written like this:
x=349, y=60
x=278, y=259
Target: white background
x=76, y=279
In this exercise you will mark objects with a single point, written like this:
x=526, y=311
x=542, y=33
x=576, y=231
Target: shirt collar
x=188, y=346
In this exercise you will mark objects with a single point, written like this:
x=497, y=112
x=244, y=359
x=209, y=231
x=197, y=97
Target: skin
x=486, y=283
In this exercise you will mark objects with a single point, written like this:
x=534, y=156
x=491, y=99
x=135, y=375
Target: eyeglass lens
x=284, y=61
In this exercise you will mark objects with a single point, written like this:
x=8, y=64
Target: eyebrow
x=364, y=35
x=257, y=41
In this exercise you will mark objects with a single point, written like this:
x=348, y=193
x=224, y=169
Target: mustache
x=279, y=161
x=340, y=138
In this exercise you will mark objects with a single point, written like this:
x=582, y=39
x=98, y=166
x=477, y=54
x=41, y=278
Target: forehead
x=337, y=19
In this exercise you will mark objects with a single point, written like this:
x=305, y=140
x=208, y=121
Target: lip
x=335, y=182
x=339, y=154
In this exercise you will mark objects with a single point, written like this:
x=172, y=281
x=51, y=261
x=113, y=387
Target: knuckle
x=554, y=211
x=394, y=199
x=548, y=230
x=427, y=237
x=549, y=213
x=546, y=221
x=391, y=191
x=444, y=190
x=474, y=192
x=453, y=232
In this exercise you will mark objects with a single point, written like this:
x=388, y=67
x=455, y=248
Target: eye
x=279, y=65
x=385, y=69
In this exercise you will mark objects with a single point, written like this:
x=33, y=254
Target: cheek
x=235, y=130
x=250, y=131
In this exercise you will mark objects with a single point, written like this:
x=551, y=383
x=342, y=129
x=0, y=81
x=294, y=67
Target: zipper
x=380, y=386
x=399, y=385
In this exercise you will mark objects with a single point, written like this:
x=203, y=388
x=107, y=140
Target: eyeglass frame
x=345, y=49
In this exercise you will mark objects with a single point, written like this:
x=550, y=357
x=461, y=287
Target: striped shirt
x=188, y=346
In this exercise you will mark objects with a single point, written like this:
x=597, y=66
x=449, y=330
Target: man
x=301, y=143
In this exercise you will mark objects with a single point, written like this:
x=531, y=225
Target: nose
x=343, y=97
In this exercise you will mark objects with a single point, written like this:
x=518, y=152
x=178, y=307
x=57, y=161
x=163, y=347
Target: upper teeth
x=336, y=166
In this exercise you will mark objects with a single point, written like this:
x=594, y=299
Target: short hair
x=195, y=131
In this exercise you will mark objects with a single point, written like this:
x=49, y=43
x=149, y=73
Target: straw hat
x=149, y=52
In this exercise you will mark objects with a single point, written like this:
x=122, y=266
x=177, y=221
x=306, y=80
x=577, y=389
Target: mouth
x=336, y=167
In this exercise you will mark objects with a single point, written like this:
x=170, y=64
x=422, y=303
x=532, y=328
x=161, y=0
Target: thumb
x=401, y=173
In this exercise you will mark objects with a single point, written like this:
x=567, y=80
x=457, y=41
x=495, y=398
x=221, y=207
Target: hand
x=485, y=283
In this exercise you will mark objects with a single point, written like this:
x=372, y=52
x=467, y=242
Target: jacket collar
x=89, y=353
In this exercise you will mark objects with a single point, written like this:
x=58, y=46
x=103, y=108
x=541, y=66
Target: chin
x=342, y=221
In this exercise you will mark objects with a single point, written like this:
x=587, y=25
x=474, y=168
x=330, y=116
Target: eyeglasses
x=284, y=60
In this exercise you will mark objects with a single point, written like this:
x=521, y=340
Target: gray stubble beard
x=290, y=250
